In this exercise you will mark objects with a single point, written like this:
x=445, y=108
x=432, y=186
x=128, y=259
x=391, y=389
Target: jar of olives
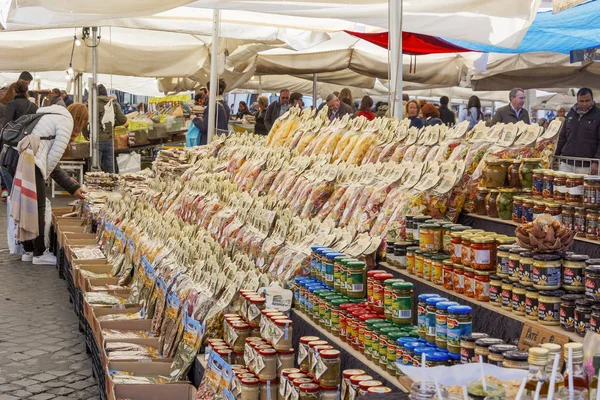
x=528, y=165
x=504, y=203
x=491, y=203
x=494, y=174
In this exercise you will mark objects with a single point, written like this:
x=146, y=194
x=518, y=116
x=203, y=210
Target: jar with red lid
x=353, y=327
x=455, y=250
x=482, y=286
x=469, y=290
x=311, y=355
x=303, y=351
x=362, y=328
x=458, y=281
x=484, y=253
x=448, y=275
x=378, y=291
x=370, y=275
x=256, y=305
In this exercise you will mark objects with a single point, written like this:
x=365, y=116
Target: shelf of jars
x=496, y=321
x=351, y=357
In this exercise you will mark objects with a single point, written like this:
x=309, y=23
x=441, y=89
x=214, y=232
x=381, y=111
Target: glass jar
x=377, y=390
x=400, y=254
x=526, y=268
x=504, y=203
x=338, y=266
x=515, y=359
x=519, y=294
x=455, y=252
x=592, y=279
x=567, y=217
x=419, y=263
x=481, y=201
x=527, y=211
x=250, y=389
x=282, y=337
x=303, y=360
x=315, y=358
x=370, y=275
x=437, y=266
x=422, y=312
x=537, y=187
x=507, y=287
x=363, y=387
x=402, y=303
x=496, y=353
x=513, y=263
x=595, y=319
x=446, y=232
x=539, y=208
x=427, y=262
x=484, y=253
x=567, y=312
x=388, y=298
x=410, y=259
x=467, y=346
x=560, y=187
x=309, y=391
x=441, y=317
x=392, y=350
x=491, y=206
x=240, y=331
x=458, y=323
x=448, y=275
x=285, y=360
x=591, y=225
x=356, y=380
x=465, y=249
x=496, y=290
x=494, y=174
x=458, y=278
x=430, y=237
x=268, y=390
x=531, y=303
x=517, y=209
x=549, y=307
x=431, y=313
x=579, y=222
x=482, y=348
x=575, y=189
x=482, y=285
x=379, y=291
x=555, y=210
x=267, y=364
x=327, y=370
x=546, y=274
x=528, y=165
x=469, y=282
x=514, y=178
x=503, y=260
x=329, y=393
x=573, y=272
x=346, y=375
x=356, y=280
x=548, y=188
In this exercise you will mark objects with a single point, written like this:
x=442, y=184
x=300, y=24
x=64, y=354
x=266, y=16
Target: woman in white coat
x=54, y=129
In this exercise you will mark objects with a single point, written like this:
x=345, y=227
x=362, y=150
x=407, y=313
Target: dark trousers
x=37, y=245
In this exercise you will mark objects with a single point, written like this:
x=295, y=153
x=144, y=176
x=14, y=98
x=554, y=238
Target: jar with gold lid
x=494, y=174
x=484, y=253
x=527, y=210
x=517, y=209
x=579, y=222
x=537, y=187
x=504, y=203
x=567, y=216
x=575, y=189
x=528, y=166
x=539, y=208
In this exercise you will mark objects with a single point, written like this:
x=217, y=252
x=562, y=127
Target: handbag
x=192, y=138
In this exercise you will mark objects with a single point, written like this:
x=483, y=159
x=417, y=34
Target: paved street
x=42, y=352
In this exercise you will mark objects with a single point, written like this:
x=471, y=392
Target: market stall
x=335, y=256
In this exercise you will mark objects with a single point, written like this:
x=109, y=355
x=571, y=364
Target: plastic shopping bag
x=14, y=246
x=47, y=222
x=129, y=163
x=193, y=136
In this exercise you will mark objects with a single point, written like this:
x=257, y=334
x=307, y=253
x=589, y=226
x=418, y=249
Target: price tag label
x=533, y=335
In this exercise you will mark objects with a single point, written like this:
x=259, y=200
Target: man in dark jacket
x=65, y=96
x=55, y=98
x=277, y=108
x=337, y=109
x=580, y=135
x=105, y=132
x=222, y=117
x=446, y=115
x=514, y=111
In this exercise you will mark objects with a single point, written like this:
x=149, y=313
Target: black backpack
x=14, y=131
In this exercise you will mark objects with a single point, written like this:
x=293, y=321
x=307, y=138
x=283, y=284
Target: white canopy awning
x=553, y=101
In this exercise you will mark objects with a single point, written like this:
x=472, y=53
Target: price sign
x=534, y=334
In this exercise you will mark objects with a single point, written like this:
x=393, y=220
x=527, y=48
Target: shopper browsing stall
x=56, y=98
x=580, y=135
x=337, y=109
x=242, y=110
x=222, y=117
x=446, y=114
x=431, y=115
x=106, y=145
x=472, y=113
x=259, y=125
x=412, y=113
x=513, y=111
x=277, y=108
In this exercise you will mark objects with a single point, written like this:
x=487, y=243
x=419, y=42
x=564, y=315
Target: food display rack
x=495, y=321
x=351, y=358
x=580, y=245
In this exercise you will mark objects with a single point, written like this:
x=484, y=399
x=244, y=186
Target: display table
x=351, y=358
x=580, y=245
x=495, y=321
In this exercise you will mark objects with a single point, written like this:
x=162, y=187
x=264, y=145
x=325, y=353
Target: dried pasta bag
x=290, y=182
x=338, y=209
x=432, y=154
x=318, y=197
x=333, y=200
x=263, y=185
x=362, y=147
x=372, y=208
x=295, y=191
x=319, y=144
x=295, y=140
x=343, y=143
x=386, y=152
x=191, y=333
x=270, y=248
x=307, y=141
x=168, y=331
x=347, y=151
x=279, y=179
x=353, y=199
x=332, y=141
x=251, y=176
x=298, y=202
x=103, y=299
x=286, y=129
x=299, y=265
x=399, y=153
x=159, y=308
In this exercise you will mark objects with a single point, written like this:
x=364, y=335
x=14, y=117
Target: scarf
x=23, y=198
x=581, y=112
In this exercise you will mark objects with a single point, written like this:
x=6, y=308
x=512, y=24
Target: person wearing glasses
x=277, y=108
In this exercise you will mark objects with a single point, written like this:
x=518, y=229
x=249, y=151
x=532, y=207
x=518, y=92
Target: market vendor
x=513, y=111
x=277, y=108
x=580, y=135
x=337, y=109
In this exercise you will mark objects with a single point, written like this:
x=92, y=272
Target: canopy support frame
x=395, y=55
x=214, y=76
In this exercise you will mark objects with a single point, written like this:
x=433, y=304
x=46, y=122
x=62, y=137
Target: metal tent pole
x=214, y=76
x=315, y=90
x=395, y=54
x=93, y=93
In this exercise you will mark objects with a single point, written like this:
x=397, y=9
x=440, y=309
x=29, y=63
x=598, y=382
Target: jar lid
x=460, y=310
x=309, y=387
x=250, y=381
x=374, y=272
x=402, y=286
x=473, y=337
x=571, y=298
x=507, y=281
x=584, y=303
x=421, y=218
x=365, y=385
x=443, y=305
x=487, y=342
x=395, y=335
x=575, y=176
x=379, y=390
x=240, y=325
x=433, y=300
x=413, y=249
x=552, y=293
x=356, y=264
x=547, y=257
x=515, y=355
x=419, y=251
x=483, y=273
x=317, y=247
x=288, y=351
x=283, y=322
x=508, y=240
x=347, y=373
x=448, y=263
x=223, y=351
x=296, y=375
x=425, y=296
x=333, y=254
x=368, y=316
x=440, y=257
x=390, y=282
x=360, y=378
x=517, y=250
x=389, y=329
x=430, y=226
x=531, y=290
x=437, y=356
x=308, y=339
x=412, y=345
x=374, y=320
x=315, y=343
x=592, y=267
x=268, y=352
x=424, y=349
x=577, y=258
x=460, y=228
x=329, y=353
x=383, y=276
x=502, y=348
x=508, y=190
x=495, y=278
x=539, y=171
x=526, y=254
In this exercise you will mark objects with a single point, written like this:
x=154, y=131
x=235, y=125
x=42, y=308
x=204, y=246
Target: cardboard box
x=78, y=244
x=179, y=391
x=92, y=313
x=95, y=266
x=68, y=227
x=60, y=211
x=138, y=324
x=90, y=282
x=141, y=369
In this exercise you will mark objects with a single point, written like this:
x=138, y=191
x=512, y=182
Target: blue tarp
x=573, y=29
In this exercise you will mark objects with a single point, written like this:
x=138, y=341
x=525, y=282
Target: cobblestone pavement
x=42, y=352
